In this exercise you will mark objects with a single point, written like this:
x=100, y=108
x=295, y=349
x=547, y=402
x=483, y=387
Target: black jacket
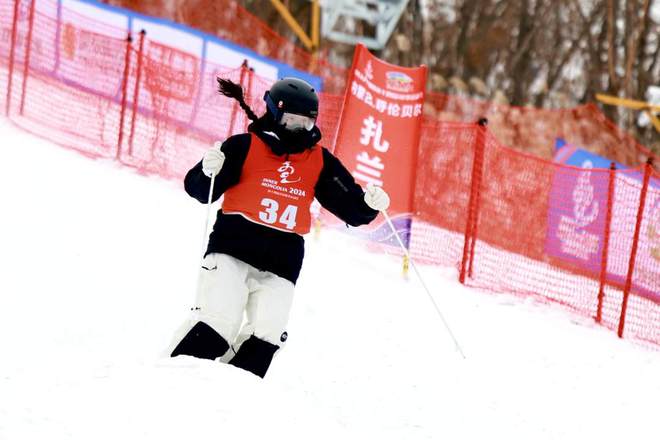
x=260, y=246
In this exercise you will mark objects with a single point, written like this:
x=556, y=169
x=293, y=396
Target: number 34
x=270, y=215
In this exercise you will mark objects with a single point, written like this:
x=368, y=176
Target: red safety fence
x=535, y=130
x=523, y=128
x=509, y=221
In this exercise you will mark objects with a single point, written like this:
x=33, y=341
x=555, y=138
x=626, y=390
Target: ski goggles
x=295, y=122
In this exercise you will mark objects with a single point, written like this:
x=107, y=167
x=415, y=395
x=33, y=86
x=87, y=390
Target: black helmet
x=292, y=95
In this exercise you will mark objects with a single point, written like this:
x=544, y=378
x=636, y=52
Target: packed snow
x=99, y=269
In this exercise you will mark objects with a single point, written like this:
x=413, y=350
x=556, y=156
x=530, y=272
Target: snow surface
x=99, y=265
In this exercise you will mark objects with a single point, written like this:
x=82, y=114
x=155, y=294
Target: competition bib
x=276, y=191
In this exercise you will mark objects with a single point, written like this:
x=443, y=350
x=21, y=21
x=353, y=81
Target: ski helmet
x=292, y=96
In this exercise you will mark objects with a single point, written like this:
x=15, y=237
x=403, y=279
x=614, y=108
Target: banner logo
x=399, y=82
x=575, y=240
x=285, y=171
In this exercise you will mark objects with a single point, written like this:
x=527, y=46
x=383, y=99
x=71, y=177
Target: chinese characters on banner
x=379, y=132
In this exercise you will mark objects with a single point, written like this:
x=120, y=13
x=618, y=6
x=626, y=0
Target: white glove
x=213, y=160
x=376, y=198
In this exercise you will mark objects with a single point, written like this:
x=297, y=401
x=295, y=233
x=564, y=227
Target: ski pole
x=419, y=275
x=209, y=202
x=195, y=307
x=208, y=212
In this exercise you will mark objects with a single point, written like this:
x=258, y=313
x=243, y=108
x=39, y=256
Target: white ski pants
x=238, y=301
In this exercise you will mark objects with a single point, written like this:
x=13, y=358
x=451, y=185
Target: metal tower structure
x=340, y=21
x=382, y=15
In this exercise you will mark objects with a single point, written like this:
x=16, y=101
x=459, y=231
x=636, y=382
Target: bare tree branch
x=611, y=47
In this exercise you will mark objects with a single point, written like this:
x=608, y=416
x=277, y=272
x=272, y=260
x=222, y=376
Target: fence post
x=58, y=36
x=481, y=139
x=475, y=181
x=248, y=94
x=234, y=108
x=124, y=86
x=28, y=51
x=606, y=241
x=200, y=85
x=136, y=94
x=12, y=54
x=633, y=253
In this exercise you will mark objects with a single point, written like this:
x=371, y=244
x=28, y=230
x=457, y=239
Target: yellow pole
x=625, y=102
x=646, y=107
x=316, y=18
x=293, y=24
x=654, y=119
x=317, y=229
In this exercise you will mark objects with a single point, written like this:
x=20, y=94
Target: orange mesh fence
x=72, y=98
x=442, y=187
x=230, y=21
x=535, y=130
x=540, y=228
x=508, y=221
x=524, y=128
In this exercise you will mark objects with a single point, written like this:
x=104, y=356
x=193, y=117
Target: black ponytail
x=233, y=90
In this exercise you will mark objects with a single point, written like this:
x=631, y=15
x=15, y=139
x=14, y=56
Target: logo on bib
x=286, y=171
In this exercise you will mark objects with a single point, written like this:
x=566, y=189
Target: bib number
x=271, y=215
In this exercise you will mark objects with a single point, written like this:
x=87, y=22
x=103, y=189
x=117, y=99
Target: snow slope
x=99, y=266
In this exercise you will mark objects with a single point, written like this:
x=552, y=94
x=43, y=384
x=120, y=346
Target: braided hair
x=233, y=90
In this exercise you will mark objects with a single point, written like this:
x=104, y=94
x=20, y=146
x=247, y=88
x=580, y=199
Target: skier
x=269, y=177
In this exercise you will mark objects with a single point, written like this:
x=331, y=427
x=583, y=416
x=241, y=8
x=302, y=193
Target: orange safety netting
x=533, y=227
x=535, y=130
x=228, y=20
x=539, y=228
x=524, y=128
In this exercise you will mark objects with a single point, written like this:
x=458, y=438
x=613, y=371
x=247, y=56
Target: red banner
x=380, y=126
